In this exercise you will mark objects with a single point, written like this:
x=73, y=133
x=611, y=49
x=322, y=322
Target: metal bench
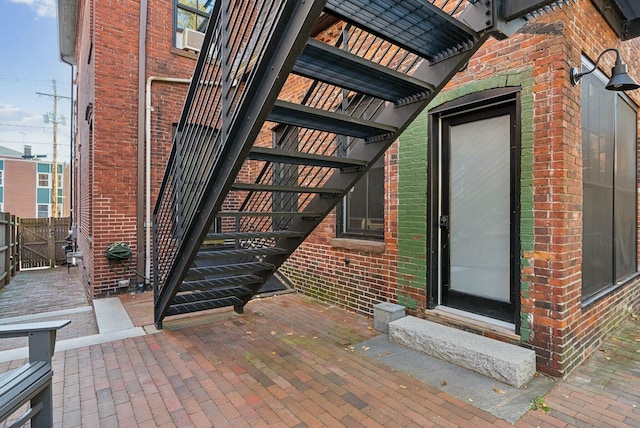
x=31, y=382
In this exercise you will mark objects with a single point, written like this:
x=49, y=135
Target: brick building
x=26, y=186
x=102, y=42
x=507, y=208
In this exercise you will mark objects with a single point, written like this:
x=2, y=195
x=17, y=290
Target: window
x=192, y=14
x=43, y=179
x=1, y=177
x=362, y=212
x=609, y=135
x=43, y=211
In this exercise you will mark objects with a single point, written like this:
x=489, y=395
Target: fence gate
x=42, y=241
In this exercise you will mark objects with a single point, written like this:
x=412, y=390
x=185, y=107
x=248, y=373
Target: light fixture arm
x=576, y=76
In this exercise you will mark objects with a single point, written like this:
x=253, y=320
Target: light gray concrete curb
x=24, y=318
x=78, y=342
x=113, y=324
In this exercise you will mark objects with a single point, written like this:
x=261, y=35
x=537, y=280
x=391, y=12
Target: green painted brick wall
x=412, y=185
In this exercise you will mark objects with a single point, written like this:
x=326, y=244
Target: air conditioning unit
x=192, y=40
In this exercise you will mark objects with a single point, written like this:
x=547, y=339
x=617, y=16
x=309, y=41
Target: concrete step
x=501, y=361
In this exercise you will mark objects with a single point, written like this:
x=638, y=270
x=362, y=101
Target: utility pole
x=55, y=119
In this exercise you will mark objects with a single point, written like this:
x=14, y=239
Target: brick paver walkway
x=45, y=290
x=604, y=391
x=36, y=292
x=289, y=362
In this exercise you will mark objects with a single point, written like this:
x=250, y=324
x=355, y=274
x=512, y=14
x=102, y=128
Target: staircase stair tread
x=219, y=283
x=328, y=121
x=229, y=268
x=300, y=158
x=415, y=25
x=197, y=296
x=254, y=235
x=335, y=66
x=269, y=214
x=203, y=305
x=285, y=189
x=244, y=252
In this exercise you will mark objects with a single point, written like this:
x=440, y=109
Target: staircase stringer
x=279, y=58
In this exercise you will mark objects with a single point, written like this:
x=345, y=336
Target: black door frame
x=479, y=101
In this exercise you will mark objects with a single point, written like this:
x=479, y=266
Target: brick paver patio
x=289, y=361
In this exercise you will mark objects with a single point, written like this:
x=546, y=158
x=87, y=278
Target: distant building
x=26, y=185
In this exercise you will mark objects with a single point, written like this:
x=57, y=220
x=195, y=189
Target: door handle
x=444, y=222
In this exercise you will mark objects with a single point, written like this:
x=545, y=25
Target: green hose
x=119, y=254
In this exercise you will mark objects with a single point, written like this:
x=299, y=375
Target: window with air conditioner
x=190, y=22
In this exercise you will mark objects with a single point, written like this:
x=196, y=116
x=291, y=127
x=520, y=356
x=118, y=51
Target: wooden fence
x=42, y=241
x=9, y=248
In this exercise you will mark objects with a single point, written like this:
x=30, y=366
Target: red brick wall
x=83, y=141
x=562, y=332
x=106, y=156
x=355, y=274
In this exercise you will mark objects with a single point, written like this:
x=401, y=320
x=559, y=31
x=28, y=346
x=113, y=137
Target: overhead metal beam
x=515, y=9
x=625, y=26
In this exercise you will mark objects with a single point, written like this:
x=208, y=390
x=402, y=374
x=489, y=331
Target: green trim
x=412, y=183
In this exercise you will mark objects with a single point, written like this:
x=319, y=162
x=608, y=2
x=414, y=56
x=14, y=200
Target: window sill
x=586, y=303
x=375, y=247
x=186, y=54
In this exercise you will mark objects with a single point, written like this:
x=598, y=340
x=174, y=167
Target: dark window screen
x=609, y=134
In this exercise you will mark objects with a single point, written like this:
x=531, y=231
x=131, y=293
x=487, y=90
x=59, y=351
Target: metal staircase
x=290, y=104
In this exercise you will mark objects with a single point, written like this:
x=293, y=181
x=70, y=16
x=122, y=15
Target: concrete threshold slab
x=496, y=398
x=111, y=316
x=31, y=317
x=501, y=361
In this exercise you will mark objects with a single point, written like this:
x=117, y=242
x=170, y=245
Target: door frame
x=463, y=105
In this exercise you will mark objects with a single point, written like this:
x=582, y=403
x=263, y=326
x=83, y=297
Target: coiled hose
x=118, y=255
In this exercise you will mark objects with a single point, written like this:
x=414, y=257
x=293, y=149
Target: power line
x=40, y=143
x=27, y=81
x=41, y=127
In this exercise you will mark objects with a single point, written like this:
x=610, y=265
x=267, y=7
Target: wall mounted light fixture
x=620, y=79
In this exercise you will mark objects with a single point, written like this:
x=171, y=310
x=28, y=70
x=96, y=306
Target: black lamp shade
x=620, y=79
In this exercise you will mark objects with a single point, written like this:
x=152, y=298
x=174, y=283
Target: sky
x=29, y=61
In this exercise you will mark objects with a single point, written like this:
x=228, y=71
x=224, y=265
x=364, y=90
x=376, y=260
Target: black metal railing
x=234, y=43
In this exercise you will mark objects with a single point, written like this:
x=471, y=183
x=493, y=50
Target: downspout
x=148, y=219
x=142, y=74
